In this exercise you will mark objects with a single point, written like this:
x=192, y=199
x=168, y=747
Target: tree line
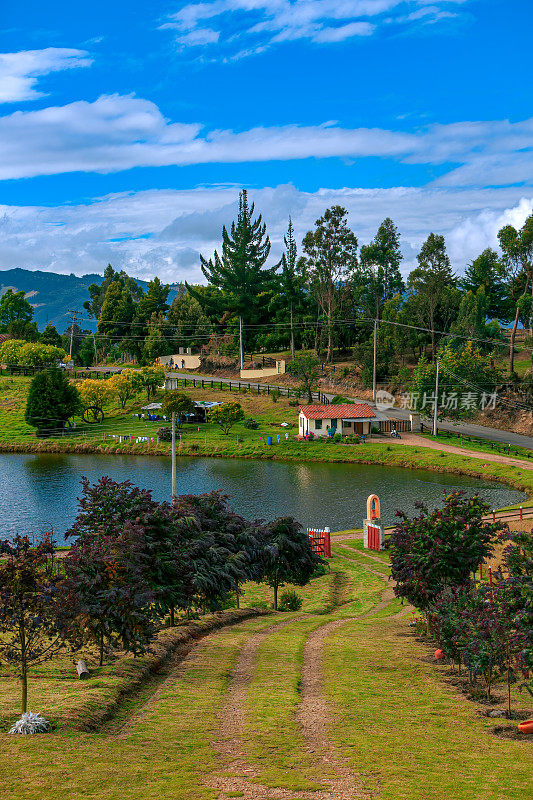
x=483, y=627
x=323, y=294
x=134, y=565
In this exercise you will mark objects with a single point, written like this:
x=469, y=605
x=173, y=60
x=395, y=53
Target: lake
x=38, y=491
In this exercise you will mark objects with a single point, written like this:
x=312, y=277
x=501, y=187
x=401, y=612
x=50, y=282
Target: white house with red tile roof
x=344, y=418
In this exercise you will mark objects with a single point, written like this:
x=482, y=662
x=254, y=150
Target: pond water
x=38, y=491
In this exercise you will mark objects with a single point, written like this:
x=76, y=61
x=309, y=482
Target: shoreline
x=387, y=455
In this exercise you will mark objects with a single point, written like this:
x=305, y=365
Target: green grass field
x=395, y=717
x=209, y=440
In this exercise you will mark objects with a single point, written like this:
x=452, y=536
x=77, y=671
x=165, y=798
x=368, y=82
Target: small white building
x=345, y=418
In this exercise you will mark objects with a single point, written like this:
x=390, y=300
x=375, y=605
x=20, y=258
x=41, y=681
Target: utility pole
x=174, y=485
x=240, y=343
x=436, y=406
x=72, y=323
x=375, y=354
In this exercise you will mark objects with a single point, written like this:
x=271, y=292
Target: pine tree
x=50, y=336
x=290, y=280
x=240, y=271
x=52, y=399
x=487, y=270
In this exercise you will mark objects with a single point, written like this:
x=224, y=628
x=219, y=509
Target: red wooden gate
x=374, y=537
x=320, y=541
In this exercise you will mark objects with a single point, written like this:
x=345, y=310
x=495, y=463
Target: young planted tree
x=226, y=416
x=329, y=263
x=288, y=557
x=305, y=369
x=177, y=403
x=440, y=549
x=28, y=607
x=52, y=399
x=105, y=593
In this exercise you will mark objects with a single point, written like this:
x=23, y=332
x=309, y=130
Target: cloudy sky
x=127, y=129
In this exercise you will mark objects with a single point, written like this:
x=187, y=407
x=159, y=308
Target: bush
x=251, y=424
x=274, y=394
x=339, y=399
x=337, y=438
x=310, y=436
x=294, y=403
x=290, y=601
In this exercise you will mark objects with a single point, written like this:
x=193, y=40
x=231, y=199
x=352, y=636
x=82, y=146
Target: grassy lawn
x=409, y=731
x=481, y=445
x=208, y=440
x=403, y=727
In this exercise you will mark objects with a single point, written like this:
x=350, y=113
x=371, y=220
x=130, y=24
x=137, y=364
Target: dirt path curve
x=411, y=439
x=314, y=718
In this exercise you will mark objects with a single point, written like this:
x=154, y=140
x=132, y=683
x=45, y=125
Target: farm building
x=346, y=418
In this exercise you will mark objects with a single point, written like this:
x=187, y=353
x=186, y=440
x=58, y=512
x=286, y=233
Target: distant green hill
x=52, y=295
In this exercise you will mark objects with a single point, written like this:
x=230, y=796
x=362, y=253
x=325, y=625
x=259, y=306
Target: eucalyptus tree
x=434, y=298
x=329, y=263
x=517, y=249
x=380, y=277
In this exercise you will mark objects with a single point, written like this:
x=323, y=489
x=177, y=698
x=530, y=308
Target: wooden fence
x=237, y=386
x=320, y=541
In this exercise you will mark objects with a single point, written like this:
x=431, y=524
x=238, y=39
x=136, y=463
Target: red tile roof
x=342, y=411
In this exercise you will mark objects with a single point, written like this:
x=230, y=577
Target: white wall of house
x=319, y=427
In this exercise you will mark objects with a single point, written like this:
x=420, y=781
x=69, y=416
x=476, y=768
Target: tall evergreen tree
x=434, y=298
x=330, y=262
x=380, y=262
x=487, y=270
x=290, y=280
x=50, y=336
x=240, y=272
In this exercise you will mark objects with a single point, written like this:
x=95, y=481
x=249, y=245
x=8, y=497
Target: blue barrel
x=269, y=439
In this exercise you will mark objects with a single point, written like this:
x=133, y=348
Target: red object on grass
x=439, y=654
x=526, y=726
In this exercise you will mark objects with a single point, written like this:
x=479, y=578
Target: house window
x=347, y=423
x=318, y=424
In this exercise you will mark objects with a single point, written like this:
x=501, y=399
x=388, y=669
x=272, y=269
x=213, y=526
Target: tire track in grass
x=240, y=778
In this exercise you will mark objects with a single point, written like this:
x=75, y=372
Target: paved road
x=467, y=428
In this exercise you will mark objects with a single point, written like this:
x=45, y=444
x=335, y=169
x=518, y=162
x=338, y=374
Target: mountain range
x=52, y=295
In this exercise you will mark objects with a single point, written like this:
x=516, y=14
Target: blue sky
x=126, y=129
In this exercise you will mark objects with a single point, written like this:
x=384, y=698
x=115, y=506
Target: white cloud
x=162, y=232
x=246, y=27
x=19, y=72
x=117, y=132
x=198, y=36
